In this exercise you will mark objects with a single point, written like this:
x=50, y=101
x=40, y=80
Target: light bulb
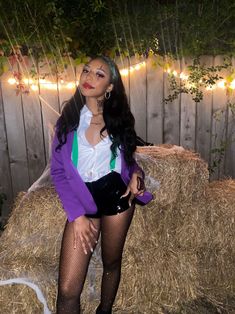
x=124, y=72
x=11, y=81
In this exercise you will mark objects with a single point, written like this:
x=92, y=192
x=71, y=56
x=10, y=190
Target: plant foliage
x=91, y=27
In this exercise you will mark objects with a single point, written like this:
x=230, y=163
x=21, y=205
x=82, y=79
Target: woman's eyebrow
x=101, y=69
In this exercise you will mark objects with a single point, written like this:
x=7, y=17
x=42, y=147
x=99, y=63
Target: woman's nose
x=90, y=76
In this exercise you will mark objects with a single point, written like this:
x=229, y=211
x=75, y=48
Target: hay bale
x=160, y=272
x=185, y=254
x=182, y=174
x=22, y=300
x=216, y=247
x=167, y=250
x=29, y=248
x=29, y=257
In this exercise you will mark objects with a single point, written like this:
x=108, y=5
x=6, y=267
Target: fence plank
x=49, y=102
x=5, y=174
x=219, y=115
x=34, y=135
x=171, y=112
x=33, y=127
x=78, y=71
x=68, y=76
x=138, y=98
x=154, y=102
x=203, y=118
x=123, y=63
x=188, y=114
x=230, y=152
x=15, y=130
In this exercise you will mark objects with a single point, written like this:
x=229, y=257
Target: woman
x=97, y=180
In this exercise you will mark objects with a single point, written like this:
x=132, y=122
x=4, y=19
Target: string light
x=124, y=72
x=42, y=81
x=137, y=67
x=12, y=81
x=183, y=76
x=70, y=85
x=28, y=81
x=34, y=87
x=232, y=85
x=33, y=84
x=221, y=84
x=190, y=85
x=62, y=84
x=52, y=86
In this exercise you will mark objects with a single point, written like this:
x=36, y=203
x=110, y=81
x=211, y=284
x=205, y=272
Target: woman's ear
x=110, y=88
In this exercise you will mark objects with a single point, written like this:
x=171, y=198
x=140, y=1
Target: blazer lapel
x=69, y=143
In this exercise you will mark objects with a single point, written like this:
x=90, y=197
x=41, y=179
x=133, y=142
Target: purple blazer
x=73, y=192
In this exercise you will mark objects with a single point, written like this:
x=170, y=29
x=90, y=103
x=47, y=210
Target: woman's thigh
x=113, y=235
x=73, y=262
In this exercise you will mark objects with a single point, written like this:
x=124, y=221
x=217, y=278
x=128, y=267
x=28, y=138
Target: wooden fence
x=26, y=120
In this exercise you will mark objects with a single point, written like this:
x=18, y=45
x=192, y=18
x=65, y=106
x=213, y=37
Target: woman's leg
x=72, y=271
x=113, y=235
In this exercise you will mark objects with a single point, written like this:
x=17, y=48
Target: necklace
x=97, y=114
x=97, y=123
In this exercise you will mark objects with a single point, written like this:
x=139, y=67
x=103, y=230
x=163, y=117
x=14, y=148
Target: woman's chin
x=88, y=92
x=91, y=93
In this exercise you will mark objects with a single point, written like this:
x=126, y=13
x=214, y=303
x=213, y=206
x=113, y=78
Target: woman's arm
x=70, y=201
x=83, y=228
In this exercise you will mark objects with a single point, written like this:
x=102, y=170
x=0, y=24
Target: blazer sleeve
x=147, y=197
x=136, y=168
x=71, y=204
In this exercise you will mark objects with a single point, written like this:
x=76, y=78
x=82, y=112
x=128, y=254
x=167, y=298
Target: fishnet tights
x=74, y=263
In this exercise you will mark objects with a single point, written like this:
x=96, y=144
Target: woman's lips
x=87, y=86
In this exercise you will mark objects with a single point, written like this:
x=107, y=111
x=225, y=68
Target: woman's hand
x=84, y=229
x=135, y=186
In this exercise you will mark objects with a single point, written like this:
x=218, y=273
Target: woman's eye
x=100, y=74
x=85, y=70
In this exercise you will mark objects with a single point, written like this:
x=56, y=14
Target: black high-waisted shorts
x=106, y=193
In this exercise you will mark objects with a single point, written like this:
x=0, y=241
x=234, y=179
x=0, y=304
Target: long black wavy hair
x=119, y=121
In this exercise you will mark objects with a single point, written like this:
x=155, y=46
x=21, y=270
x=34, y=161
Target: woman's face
x=95, y=79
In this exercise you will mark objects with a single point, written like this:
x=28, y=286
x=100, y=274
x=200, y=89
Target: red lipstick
x=87, y=86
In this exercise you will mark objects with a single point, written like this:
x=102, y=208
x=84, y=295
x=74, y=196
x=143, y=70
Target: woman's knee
x=112, y=265
x=68, y=292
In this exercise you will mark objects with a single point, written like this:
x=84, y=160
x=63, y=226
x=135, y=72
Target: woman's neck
x=93, y=105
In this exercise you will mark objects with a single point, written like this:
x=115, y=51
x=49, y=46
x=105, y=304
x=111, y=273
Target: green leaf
x=78, y=61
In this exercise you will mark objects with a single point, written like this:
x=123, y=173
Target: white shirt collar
x=86, y=111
